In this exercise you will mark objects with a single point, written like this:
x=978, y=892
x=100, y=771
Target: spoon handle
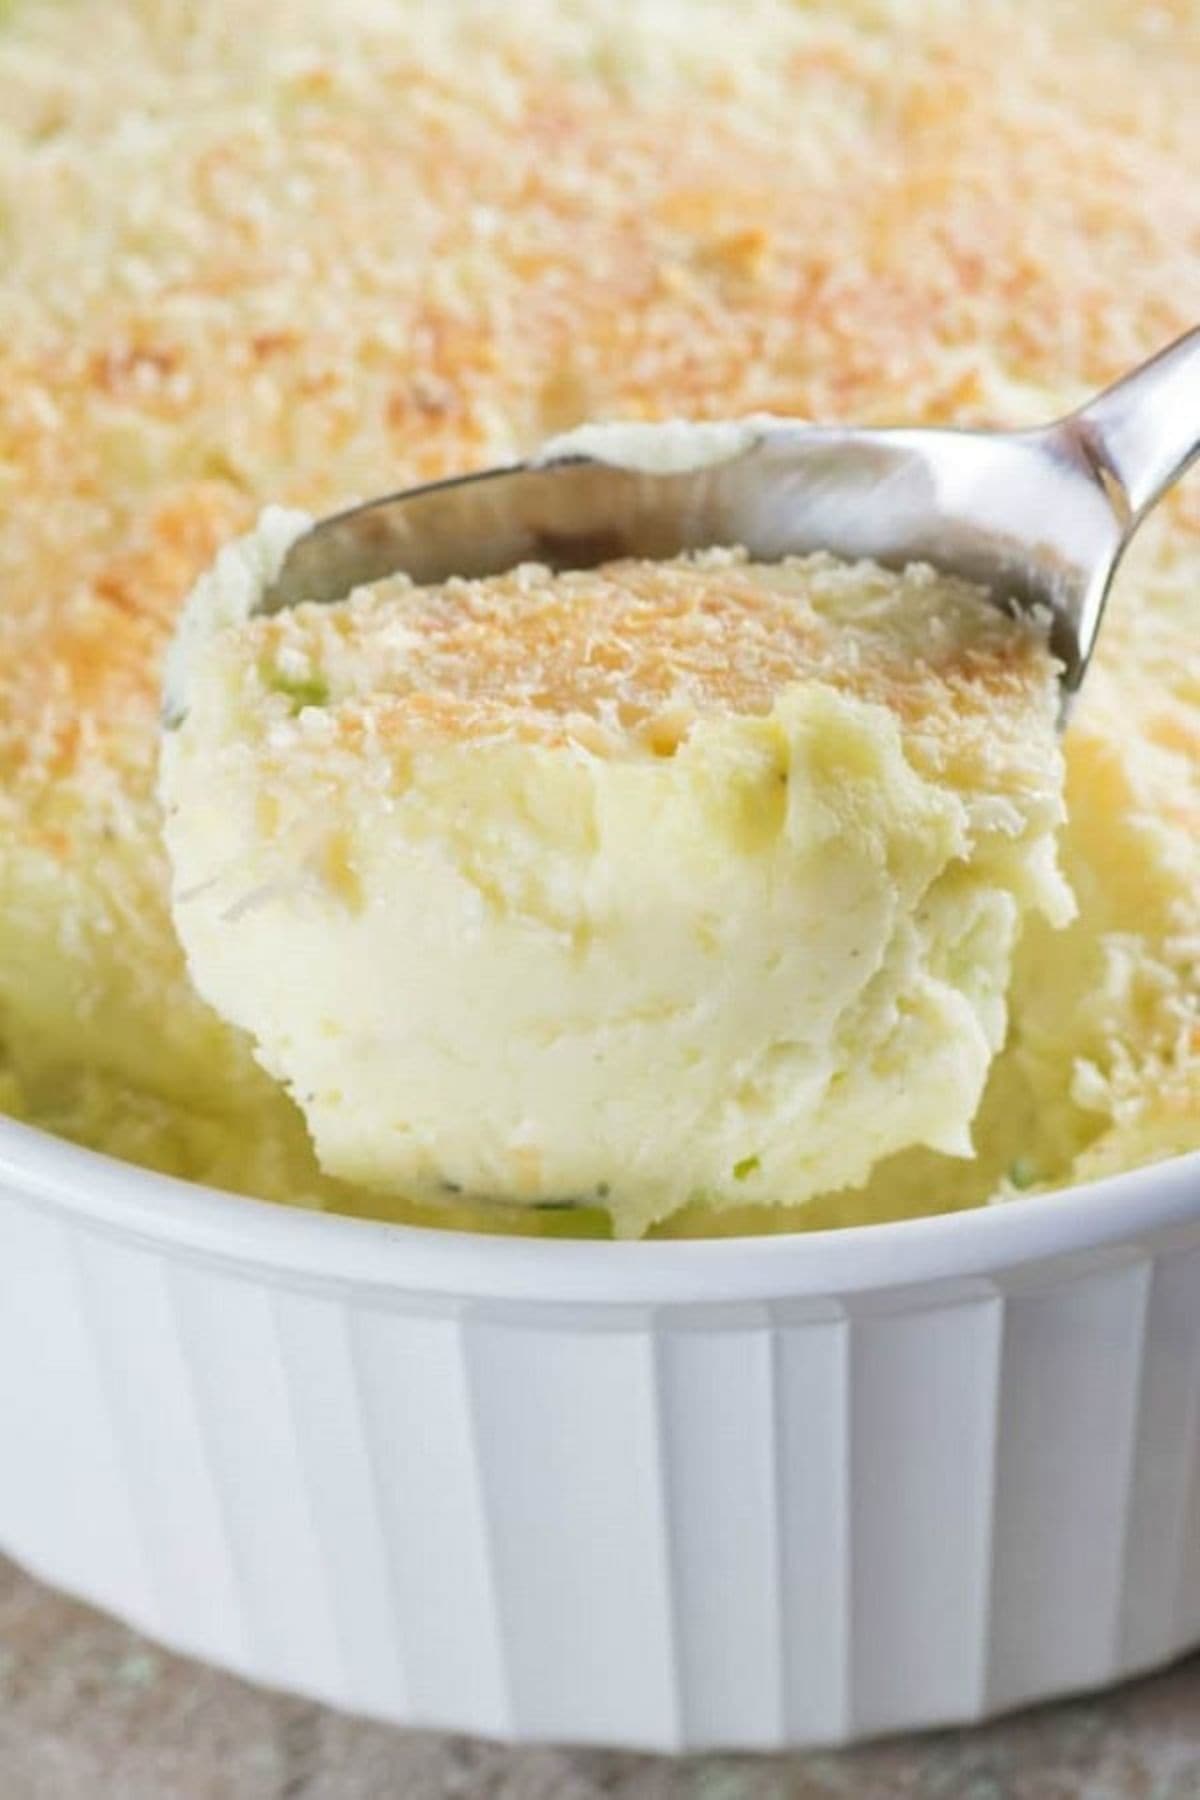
x=1144, y=431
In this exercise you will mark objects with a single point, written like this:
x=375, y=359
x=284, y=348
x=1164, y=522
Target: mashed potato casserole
x=296, y=253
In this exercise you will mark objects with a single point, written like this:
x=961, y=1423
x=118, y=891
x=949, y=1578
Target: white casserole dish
x=751, y=1492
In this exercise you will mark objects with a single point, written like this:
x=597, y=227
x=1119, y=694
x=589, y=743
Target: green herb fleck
x=748, y=1166
x=1021, y=1173
x=308, y=690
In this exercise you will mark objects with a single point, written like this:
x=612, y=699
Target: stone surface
x=88, y=1710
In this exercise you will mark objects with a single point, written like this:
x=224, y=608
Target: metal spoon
x=1039, y=517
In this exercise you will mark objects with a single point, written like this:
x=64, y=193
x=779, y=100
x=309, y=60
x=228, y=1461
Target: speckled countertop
x=88, y=1710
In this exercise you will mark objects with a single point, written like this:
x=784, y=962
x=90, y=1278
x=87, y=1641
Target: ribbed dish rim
x=329, y=1248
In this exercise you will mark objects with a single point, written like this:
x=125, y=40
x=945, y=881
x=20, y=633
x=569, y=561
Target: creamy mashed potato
x=304, y=253
x=648, y=884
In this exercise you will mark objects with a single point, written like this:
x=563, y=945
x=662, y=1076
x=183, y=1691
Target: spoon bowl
x=1039, y=518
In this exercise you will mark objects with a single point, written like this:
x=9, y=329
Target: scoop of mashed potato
x=638, y=886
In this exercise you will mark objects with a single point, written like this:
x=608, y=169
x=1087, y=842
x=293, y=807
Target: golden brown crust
x=430, y=247
x=632, y=654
